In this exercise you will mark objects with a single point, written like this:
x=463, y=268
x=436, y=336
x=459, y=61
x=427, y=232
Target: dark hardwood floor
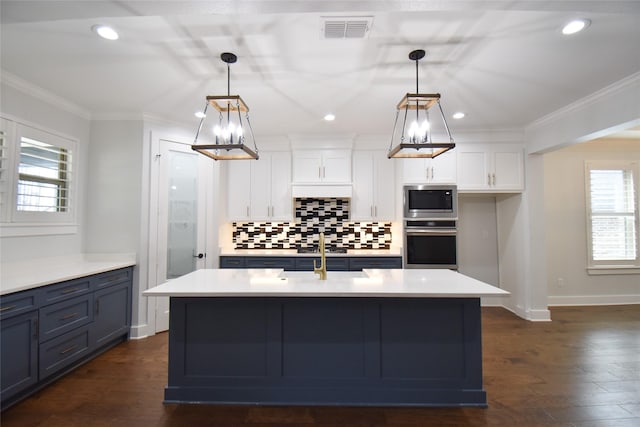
x=581, y=370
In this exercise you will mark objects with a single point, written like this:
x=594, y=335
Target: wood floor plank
x=580, y=370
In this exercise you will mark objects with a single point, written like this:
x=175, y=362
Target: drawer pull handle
x=70, y=290
x=68, y=349
x=9, y=307
x=69, y=316
x=114, y=279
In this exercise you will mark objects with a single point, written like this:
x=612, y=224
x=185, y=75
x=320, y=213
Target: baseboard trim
x=593, y=300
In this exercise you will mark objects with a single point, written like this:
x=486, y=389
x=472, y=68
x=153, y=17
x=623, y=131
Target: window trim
x=595, y=267
x=33, y=223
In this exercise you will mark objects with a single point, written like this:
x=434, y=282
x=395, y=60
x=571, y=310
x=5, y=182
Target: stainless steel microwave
x=426, y=201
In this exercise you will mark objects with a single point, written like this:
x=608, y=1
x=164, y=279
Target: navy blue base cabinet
x=326, y=351
x=305, y=263
x=50, y=330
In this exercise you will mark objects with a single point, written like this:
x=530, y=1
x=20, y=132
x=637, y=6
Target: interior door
x=181, y=218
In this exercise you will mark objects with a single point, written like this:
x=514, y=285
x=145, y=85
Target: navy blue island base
x=356, y=351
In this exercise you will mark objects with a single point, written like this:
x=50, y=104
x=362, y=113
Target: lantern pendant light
x=413, y=137
x=230, y=133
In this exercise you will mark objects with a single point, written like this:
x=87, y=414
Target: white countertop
x=425, y=283
x=294, y=252
x=29, y=274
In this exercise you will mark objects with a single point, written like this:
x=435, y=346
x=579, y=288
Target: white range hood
x=339, y=191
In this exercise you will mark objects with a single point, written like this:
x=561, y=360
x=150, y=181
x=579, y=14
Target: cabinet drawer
x=357, y=264
x=287, y=263
x=62, y=351
x=64, y=316
x=21, y=302
x=232, y=262
x=111, y=278
x=333, y=264
x=66, y=290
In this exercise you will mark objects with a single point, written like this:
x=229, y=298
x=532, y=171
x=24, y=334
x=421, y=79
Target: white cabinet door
x=281, y=202
x=443, y=168
x=414, y=171
x=373, y=186
x=307, y=166
x=362, y=200
x=239, y=190
x=336, y=166
x=508, y=170
x=260, y=187
x=384, y=194
x=472, y=169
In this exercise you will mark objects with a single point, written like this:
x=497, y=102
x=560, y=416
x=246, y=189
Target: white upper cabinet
x=322, y=166
x=490, y=168
x=441, y=170
x=281, y=201
x=373, y=186
x=239, y=190
x=260, y=190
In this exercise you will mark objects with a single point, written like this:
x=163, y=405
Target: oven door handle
x=430, y=232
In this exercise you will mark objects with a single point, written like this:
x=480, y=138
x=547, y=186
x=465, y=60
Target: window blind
x=44, y=177
x=613, y=211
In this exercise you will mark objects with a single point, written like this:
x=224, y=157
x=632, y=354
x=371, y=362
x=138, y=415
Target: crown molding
x=43, y=95
x=595, y=97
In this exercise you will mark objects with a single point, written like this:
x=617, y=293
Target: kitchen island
x=376, y=338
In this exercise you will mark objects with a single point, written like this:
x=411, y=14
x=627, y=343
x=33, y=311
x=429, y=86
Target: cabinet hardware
x=9, y=307
x=319, y=173
x=375, y=211
x=247, y=210
x=70, y=290
x=494, y=179
x=324, y=172
x=68, y=349
x=69, y=316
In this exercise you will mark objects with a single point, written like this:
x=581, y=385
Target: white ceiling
x=504, y=63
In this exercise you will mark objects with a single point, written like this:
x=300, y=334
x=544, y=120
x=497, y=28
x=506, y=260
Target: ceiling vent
x=346, y=27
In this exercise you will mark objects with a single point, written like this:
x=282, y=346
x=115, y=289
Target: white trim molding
x=568, y=300
x=43, y=95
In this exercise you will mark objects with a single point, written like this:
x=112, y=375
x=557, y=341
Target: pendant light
x=229, y=132
x=413, y=137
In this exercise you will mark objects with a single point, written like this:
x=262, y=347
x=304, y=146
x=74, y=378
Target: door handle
x=200, y=255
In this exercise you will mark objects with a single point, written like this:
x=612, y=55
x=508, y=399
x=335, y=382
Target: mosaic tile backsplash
x=312, y=217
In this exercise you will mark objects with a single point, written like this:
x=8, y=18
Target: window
x=612, y=214
x=36, y=181
x=43, y=177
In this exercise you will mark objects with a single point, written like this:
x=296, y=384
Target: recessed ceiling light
x=105, y=32
x=330, y=117
x=458, y=115
x=200, y=114
x=575, y=26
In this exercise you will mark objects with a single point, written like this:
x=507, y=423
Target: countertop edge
x=22, y=276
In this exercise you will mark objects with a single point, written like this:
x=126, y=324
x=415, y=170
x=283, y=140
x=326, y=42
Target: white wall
x=40, y=109
x=477, y=238
x=566, y=219
x=114, y=196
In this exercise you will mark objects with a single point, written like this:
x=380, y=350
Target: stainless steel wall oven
x=430, y=244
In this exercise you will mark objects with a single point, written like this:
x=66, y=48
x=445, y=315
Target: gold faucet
x=322, y=270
